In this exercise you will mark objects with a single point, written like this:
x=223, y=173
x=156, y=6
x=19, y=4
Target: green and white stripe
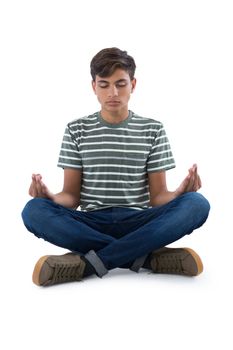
x=115, y=159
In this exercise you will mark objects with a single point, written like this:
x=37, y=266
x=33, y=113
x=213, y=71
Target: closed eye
x=118, y=84
x=121, y=83
x=103, y=85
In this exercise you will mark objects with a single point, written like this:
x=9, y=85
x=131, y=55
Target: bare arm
x=69, y=196
x=159, y=193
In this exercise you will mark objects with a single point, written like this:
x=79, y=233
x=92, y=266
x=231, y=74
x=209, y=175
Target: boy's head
x=105, y=63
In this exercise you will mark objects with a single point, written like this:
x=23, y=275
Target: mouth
x=113, y=103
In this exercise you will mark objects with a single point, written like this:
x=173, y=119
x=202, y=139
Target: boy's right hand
x=38, y=188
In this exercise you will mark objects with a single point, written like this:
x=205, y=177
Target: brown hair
x=105, y=62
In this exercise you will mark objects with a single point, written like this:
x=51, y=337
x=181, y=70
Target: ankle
x=147, y=263
x=89, y=269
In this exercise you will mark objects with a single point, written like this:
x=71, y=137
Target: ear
x=93, y=83
x=133, y=84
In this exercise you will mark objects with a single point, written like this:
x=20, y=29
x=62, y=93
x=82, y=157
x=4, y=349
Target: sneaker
x=181, y=261
x=53, y=269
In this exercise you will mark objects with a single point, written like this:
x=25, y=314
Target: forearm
x=66, y=200
x=163, y=198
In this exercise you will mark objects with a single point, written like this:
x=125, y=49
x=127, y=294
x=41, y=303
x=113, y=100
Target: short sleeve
x=69, y=156
x=160, y=157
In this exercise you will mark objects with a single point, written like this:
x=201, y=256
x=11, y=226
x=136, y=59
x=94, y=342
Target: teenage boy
x=115, y=164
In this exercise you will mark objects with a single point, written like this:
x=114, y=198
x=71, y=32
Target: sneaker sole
x=37, y=269
x=197, y=260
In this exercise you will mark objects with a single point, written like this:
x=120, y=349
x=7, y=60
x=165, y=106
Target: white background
x=183, y=52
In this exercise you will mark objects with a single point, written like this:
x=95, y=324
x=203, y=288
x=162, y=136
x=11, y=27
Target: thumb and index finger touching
x=38, y=188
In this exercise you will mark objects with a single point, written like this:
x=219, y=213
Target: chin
x=113, y=108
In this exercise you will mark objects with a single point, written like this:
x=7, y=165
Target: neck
x=114, y=117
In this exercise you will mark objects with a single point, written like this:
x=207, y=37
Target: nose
x=112, y=91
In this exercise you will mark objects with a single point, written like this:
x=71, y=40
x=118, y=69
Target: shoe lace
x=66, y=273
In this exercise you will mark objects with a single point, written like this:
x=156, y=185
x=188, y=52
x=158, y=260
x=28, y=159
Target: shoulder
x=149, y=123
x=89, y=119
x=78, y=123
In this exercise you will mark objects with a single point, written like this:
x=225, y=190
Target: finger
x=184, y=185
x=44, y=188
x=191, y=183
x=32, y=190
x=35, y=187
x=199, y=182
x=38, y=178
x=39, y=189
x=35, y=176
x=193, y=168
x=196, y=182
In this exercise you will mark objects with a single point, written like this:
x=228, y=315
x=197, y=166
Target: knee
x=32, y=211
x=198, y=204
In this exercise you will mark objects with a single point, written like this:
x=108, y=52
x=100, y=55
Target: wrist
x=177, y=193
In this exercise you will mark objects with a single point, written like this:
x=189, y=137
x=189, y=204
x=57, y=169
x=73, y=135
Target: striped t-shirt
x=115, y=159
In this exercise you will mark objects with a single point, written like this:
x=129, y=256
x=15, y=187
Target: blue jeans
x=118, y=236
